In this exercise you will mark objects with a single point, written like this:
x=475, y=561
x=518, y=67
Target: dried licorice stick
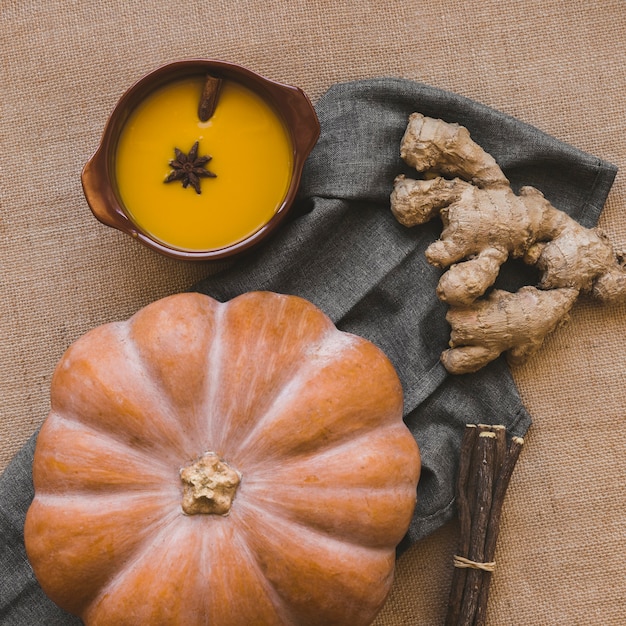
x=480, y=520
x=485, y=469
x=465, y=523
x=500, y=488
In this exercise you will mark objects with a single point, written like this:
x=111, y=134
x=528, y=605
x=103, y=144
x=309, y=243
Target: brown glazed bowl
x=98, y=177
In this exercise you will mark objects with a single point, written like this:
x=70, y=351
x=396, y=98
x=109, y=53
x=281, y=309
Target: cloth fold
x=344, y=251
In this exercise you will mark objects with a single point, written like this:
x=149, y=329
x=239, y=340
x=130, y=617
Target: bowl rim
x=290, y=103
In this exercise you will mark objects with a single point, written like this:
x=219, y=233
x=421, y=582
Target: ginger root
x=515, y=322
x=484, y=224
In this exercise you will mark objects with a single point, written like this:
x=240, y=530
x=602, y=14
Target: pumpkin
x=238, y=463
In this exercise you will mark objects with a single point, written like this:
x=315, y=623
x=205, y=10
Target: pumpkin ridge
x=159, y=469
x=201, y=425
x=366, y=560
x=48, y=498
x=131, y=446
x=135, y=436
x=282, y=518
x=257, y=325
x=349, y=444
x=212, y=387
x=295, y=382
x=307, y=369
x=170, y=412
x=281, y=607
x=364, y=536
x=158, y=529
x=314, y=402
x=292, y=489
x=68, y=601
x=349, y=447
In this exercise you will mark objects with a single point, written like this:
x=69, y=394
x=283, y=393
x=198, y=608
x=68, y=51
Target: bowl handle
x=100, y=196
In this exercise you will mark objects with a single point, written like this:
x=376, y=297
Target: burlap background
x=557, y=64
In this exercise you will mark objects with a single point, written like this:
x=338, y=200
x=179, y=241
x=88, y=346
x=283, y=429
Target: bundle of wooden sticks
x=486, y=464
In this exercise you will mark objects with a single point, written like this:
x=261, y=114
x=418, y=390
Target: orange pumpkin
x=239, y=463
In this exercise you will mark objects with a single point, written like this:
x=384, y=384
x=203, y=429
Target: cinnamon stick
x=209, y=98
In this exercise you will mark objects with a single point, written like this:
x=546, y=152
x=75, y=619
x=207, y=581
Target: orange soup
x=250, y=154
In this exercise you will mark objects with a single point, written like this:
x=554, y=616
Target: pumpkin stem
x=209, y=485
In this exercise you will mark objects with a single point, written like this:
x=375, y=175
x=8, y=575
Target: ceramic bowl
x=290, y=104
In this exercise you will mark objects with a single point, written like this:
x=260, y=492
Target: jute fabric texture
x=560, y=66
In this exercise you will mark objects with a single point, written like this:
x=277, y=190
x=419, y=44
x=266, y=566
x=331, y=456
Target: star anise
x=189, y=168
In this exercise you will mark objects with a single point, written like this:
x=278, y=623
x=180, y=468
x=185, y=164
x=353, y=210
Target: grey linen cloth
x=344, y=251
